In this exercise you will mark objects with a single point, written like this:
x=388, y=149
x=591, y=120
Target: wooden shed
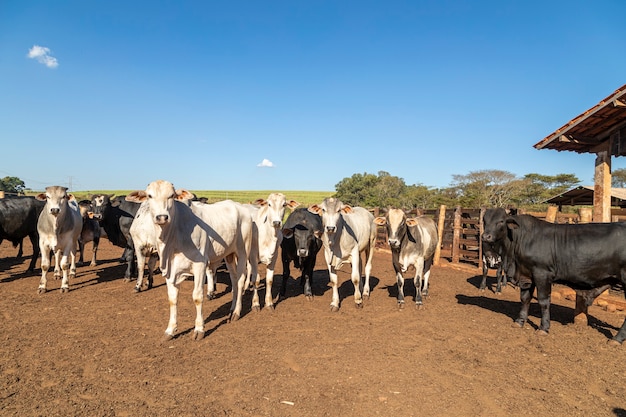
x=583, y=196
x=600, y=130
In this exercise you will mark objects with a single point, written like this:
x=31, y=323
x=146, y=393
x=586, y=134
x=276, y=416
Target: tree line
x=489, y=188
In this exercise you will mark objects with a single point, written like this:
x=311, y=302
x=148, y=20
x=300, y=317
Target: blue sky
x=297, y=95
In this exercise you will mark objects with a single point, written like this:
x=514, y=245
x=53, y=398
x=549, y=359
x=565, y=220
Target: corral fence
x=460, y=230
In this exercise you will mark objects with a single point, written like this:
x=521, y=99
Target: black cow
x=492, y=259
x=115, y=215
x=587, y=257
x=89, y=233
x=18, y=219
x=301, y=243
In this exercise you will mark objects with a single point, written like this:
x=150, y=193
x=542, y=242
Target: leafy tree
x=12, y=185
x=541, y=187
x=357, y=190
x=618, y=178
x=487, y=188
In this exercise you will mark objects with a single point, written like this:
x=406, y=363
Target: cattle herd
x=192, y=238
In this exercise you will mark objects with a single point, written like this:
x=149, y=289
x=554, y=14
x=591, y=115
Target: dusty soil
x=98, y=351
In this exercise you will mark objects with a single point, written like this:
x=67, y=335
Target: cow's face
x=56, y=198
x=273, y=209
x=331, y=210
x=396, y=227
x=494, y=225
x=161, y=196
x=99, y=204
x=304, y=239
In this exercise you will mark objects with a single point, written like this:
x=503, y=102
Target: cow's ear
x=287, y=233
x=411, y=222
x=71, y=197
x=315, y=209
x=137, y=196
x=260, y=202
x=182, y=194
x=346, y=209
x=41, y=197
x=511, y=223
x=292, y=204
x=381, y=221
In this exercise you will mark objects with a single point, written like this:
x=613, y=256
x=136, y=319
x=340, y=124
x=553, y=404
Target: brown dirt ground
x=98, y=351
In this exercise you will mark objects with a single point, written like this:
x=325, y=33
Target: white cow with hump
x=267, y=216
x=59, y=226
x=413, y=243
x=348, y=233
x=193, y=238
x=144, y=233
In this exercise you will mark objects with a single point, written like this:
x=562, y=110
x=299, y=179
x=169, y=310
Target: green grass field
x=305, y=198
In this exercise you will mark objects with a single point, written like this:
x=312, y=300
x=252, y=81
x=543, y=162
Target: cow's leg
x=269, y=280
x=45, y=265
x=400, y=282
x=334, y=303
x=34, y=240
x=65, y=266
x=286, y=275
x=417, y=281
x=129, y=258
x=618, y=339
x=499, y=279
x=81, y=249
x=172, y=297
x=483, y=283
x=525, y=295
x=368, y=270
x=57, y=268
x=152, y=260
x=356, y=278
x=238, y=279
x=211, y=270
x=94, y=249
x=426, y=284
x=198, y=296
x=141, y=265
x=544, y=288
x=307, y=278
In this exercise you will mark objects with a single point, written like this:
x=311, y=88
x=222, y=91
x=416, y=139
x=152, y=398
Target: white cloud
x=42, y=55
x=266, y=163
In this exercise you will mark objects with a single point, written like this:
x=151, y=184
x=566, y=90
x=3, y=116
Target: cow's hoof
x=197, y=334
x=127, y=279
x=419, y=306
x=137, y=289
x=309, y=297
x=517, y=325
x=269, y=307
x=400, y=306
x=167, y=337
x=41, y=290
x=64, y=290
x=234, y=317
x=93, y=264
x=498, y=293
x=358, y=305
x=256, y=308
x=334, y=309
x=541, y=332
x=366, y=296
x=614, y=342
x=481, y=291
x=211, y=296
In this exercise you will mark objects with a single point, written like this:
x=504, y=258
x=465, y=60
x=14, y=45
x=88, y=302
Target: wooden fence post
x=456, y=236
x=586, y=214
x=440, y=224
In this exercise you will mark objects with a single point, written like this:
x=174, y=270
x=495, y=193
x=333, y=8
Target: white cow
x=59, y=226
x=144, y=234
x=413, y=243
x=348, y=233
x=267, y=217
x=192, y=238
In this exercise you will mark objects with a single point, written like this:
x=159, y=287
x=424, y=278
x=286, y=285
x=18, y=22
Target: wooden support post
x=602, y=188
x=440, y=225
x=551, y=214
x=480, y=238
x=456, y=236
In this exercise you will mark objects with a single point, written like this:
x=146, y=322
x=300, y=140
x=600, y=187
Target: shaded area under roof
x=583, y=196
x=590, y=131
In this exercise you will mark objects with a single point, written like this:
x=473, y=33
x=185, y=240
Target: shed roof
x=583, y=196
x=589, y=131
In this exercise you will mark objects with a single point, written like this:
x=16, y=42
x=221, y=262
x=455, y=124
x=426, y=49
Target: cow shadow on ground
x=619, y=412
x=558, y=313
x=491, y=282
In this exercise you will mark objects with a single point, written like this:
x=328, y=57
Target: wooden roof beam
x=618, y=102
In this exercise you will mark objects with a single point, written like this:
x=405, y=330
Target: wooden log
x=440, y=225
